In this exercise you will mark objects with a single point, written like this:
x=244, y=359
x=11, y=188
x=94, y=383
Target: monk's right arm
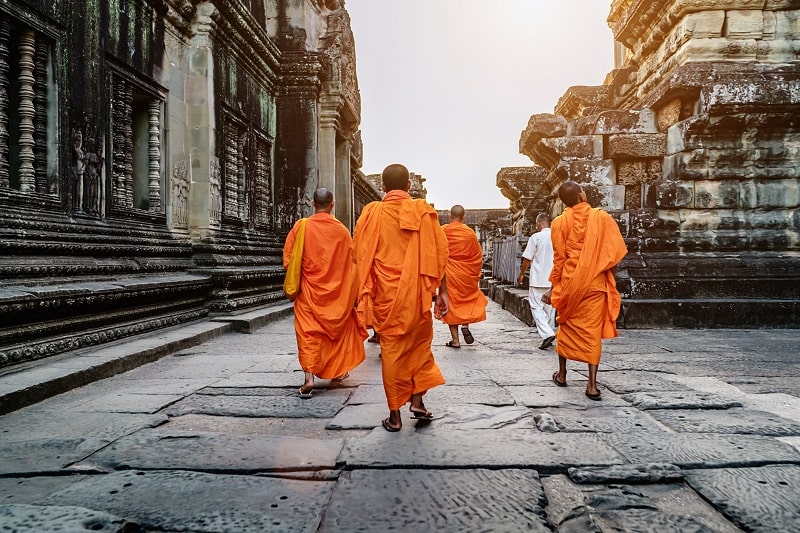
x=526, y=263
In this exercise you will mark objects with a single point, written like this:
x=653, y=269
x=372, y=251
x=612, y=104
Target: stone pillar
x=328, y=123
x=297, y=140
x=344, y=184
x=201, y=124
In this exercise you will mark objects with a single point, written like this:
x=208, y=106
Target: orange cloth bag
x=291, y=283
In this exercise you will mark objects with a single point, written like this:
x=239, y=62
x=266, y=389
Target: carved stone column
x=344, y=184
x=4, y=57
x=204, y=192
x=154, y=176
x=329, y=122
x=27, y=49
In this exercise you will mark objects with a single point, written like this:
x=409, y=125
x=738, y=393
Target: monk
x=463, y=274
x=587, y=245
x=401, y=254
x=330, y=339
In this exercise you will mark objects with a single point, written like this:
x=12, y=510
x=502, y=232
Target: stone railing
x=505, y=258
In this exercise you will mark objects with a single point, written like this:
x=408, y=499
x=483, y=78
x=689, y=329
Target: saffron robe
x=463, y=274
x=330, y=339
x=401, y=253
x=587, y=245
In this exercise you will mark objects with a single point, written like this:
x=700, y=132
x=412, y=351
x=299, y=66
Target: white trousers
x=544, y=315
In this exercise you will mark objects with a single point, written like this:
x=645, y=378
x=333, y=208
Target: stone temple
x=153, y=155
x=693, y=144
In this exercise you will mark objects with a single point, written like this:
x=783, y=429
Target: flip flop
x=389, y=428
x=467, y=335
x=559, y=383
x=595, y=397
x=304, y=395
x=419, y=415
x=451, y=345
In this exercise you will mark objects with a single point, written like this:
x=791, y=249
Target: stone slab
x=650, y=472
x=202, y=502
x=599, y=420
x=51, y=422
x=628, y=381
x=477, y=449
x=458, y=374
x=537, y=373
x=25, y=490
x=261, y=379
x=437, y=500
x=112, y=402
x=697, y=450
x=742, y=421
x=217, y=452
x=756, y=499
x=324, y=404
x=478, y=394
x=461, y=416
x=668, y=399
x=36, y=456
x=21, y=517
x=549, y=395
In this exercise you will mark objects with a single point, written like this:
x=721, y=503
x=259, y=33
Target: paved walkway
x=697, y=431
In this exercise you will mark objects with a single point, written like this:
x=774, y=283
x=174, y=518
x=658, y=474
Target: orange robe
x=463, y=274
x=401, y=253
x=330, y=340
x=587, y=244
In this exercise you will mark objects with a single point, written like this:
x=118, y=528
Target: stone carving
x=27, y=110
x=4, y=68
x=215, y=191
x=93, y=165
x=180, y=195
x=154, y=155
x=77, y=170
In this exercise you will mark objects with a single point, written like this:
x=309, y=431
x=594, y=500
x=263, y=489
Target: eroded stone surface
x=689, y=399
x=756, y=499
x=650, y=472
x=21, y=517
x=437, y=500
x=201, y=502
x=744, y=421
x=31, y=489
x=628, y=381
x=165, y=449
x=571, y=396
x=601, y=420
x=477, y=448
x=701, y=450
x=42, y=455
x=324, y=404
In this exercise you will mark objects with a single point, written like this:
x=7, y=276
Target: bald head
x=323, y=200
x=457, y=213
x=395, y=177
x=571, y=193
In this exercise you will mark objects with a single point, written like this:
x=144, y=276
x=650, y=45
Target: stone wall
x=153, y=157
x=692, y=145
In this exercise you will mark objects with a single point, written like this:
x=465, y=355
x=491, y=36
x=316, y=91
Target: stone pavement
x=697, y=431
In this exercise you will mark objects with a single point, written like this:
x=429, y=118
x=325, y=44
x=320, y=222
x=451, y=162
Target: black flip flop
x=419, y=415
x=558, y=383
x=451, y=345
x=387, y=427
x=467, y=335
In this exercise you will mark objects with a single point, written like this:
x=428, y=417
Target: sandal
x=304, y=395
x=421, y=415
x=451, y=345
x=390, y=428
x=557, y=382
x=467, y=335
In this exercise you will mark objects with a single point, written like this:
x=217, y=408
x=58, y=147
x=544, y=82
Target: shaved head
x=570, y=193
x=395, y=177
x=323, y=197
x=457, y=212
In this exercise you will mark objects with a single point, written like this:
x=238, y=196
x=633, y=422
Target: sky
x=447, y=86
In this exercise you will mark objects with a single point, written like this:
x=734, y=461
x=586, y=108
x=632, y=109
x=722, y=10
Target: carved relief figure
x=93, y=165
x=77, y=167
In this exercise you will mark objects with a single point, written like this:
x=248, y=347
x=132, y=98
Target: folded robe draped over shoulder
x=463, y=275
x=401, y=253
x=330, y=339
x=587, y=245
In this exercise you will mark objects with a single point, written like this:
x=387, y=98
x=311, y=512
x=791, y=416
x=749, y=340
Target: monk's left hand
x=442, y=306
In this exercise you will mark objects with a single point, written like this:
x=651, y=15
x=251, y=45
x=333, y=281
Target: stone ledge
x=30, y=383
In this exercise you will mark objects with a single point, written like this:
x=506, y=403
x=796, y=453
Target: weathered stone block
x=608, y=197
x=744, y=24
x=715, y=194
x=668, y=114
x=599, y=172
x=777, y=193
x=674, y=193
x=638, y=171
x=575, y=148
x=705, y=24
x=626, y=121
x=691, y=165
x=539, y=127
x=636, y=145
